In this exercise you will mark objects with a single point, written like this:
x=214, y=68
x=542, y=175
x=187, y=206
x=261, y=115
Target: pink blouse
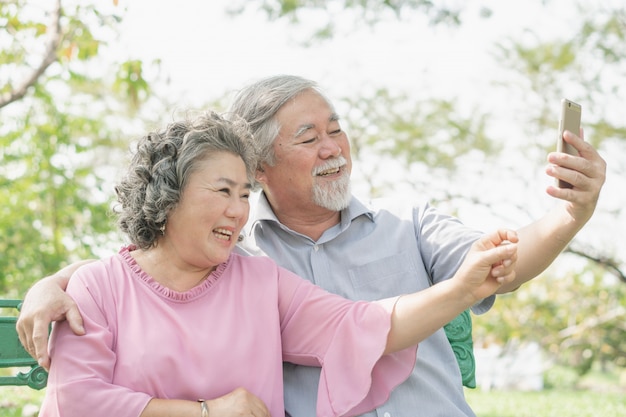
x=233, y=330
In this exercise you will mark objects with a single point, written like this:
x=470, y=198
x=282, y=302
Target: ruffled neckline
x=164, y=291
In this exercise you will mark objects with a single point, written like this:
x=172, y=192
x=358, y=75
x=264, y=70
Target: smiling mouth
x=327, y=172
x=223, y=234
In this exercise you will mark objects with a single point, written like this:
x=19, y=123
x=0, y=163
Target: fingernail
x=507, y=263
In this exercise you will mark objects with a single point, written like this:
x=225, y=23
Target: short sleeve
x=444, y=243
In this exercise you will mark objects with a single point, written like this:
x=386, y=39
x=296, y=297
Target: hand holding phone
x=569, y=120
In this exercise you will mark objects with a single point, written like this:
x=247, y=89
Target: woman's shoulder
x=101, y=269
x=263, y=269
x=253, y=260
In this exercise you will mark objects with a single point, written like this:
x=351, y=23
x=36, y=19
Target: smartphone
x=569, y=120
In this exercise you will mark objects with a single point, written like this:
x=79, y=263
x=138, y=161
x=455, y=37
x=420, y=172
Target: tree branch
x=50, y=56
x=591, y=322
x=609, y=264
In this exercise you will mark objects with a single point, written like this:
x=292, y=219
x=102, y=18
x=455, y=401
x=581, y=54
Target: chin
x=336, y=196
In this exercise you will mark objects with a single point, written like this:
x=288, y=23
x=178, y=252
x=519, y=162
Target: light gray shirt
x=375, y=252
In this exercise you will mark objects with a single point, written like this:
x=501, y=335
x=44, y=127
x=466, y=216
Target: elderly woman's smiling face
x=203, y=228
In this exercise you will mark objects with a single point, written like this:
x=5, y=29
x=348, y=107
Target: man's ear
x=260, y=176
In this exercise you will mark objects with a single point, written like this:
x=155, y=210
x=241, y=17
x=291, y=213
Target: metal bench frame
x=13, y=354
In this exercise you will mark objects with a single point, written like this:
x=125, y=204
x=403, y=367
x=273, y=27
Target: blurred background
x=455, y=102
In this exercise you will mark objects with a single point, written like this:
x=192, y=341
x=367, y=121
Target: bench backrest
x=459, y=333
x=13, y=354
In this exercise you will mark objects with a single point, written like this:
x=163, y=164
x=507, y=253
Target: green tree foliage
x=325, y=13
x=371, y=9
x=590, y=56
x=578, y=315
x=60, y=116
x=431, y=134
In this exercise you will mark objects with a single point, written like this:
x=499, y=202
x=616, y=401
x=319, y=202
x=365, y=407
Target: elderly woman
x=179, y=325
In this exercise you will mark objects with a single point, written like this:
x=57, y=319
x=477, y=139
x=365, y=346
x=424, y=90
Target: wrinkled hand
x=44, y=303
x=238, y=403
x=490, y=263
x=585, y=172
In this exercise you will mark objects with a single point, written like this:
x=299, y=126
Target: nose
x=237, y=208
x=330, y=148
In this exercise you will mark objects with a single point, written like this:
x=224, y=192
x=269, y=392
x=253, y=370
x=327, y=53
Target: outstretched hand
x=489, y=264
x=44, y=303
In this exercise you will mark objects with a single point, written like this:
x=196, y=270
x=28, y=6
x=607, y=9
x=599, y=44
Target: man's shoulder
x=404, y=207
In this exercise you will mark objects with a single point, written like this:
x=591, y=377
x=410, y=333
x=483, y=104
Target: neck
x=171, y=273
x=313, y=227
x=311, y=223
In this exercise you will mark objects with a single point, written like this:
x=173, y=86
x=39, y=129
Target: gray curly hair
x=162, y=165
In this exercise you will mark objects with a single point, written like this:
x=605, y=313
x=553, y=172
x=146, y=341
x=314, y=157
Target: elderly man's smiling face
x=313, y=161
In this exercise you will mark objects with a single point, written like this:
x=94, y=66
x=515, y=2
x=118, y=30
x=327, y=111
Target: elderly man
x=308, y=221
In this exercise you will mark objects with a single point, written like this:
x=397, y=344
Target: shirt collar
x=264, y=213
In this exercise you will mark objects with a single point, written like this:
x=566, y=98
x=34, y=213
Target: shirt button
x=387, y=414
x=316, y=247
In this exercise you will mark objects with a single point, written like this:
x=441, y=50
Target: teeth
x=329, y=172
x=223, y=233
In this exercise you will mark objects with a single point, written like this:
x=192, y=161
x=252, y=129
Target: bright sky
x=206, y=52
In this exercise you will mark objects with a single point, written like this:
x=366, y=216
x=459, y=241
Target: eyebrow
x=233, y=183
x=306, y=127
x=303, y=129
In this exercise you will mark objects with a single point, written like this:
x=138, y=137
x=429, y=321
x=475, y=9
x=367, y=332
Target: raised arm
x=543, y=240
x=44, y=303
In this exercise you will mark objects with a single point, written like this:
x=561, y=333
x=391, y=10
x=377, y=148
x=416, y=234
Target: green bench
x=459, y=333
x=13, y=354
